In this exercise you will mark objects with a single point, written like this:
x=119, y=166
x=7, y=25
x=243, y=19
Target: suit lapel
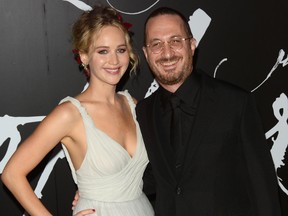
x=203, y=120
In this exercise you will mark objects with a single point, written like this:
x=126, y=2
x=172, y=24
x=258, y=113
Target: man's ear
x=193, y=44
x=145, y=51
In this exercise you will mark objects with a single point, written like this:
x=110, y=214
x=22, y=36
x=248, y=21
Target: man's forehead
x=164, y=18
x=160, y=26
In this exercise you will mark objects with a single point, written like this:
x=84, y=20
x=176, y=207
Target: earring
x=84, y=66
x=86, y=71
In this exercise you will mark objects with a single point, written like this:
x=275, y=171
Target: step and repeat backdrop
x=243, y=42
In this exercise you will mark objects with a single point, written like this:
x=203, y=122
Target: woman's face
x=108, y=56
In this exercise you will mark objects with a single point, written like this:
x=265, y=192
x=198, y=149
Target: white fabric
x=109, y=179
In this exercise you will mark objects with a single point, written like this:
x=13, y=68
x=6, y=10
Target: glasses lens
x=176, y=43
x=156, y=46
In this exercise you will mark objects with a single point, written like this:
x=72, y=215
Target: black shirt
x=188, y=93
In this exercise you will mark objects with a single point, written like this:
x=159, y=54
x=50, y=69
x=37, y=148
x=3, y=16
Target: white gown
x=109, y=179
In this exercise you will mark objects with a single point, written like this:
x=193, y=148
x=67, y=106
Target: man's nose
x=167, y=51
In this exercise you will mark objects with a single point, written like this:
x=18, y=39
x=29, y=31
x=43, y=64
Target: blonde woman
x=98, y=129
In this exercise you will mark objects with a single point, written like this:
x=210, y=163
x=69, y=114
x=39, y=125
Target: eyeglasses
x=175, y=43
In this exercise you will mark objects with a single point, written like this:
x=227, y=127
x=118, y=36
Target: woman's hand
x=85, y=212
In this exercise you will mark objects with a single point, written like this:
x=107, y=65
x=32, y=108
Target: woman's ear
x=84, y=58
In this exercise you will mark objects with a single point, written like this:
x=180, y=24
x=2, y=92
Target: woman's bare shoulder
x=65, y=112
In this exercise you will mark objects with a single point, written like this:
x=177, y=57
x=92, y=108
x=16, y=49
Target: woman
x=97, y=128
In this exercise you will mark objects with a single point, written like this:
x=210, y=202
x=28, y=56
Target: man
x=221, y=166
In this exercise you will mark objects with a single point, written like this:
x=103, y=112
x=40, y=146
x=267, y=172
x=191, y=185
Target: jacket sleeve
x=262, y=176
x=149, y=187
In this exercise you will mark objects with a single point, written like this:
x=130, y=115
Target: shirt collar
x=187, y=92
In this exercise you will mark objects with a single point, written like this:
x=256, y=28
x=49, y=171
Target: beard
x=171, y=77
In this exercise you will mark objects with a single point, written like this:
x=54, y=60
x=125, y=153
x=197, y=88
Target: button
x=178, y=191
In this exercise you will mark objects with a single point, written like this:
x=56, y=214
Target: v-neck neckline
x=117, y=144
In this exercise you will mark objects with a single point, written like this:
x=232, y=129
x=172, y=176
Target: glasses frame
x=183, y=39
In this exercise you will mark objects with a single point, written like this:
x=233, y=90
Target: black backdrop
x=244, y=42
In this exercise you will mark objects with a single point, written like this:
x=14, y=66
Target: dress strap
x=82, y=111
x=129, y=99
x=75, y=102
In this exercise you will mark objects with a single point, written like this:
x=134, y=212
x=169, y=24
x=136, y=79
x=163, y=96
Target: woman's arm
x=30, y=153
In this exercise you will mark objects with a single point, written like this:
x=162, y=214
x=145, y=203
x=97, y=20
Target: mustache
x=164, y=59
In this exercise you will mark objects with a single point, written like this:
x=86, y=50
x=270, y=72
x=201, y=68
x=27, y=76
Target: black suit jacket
x=228, y=169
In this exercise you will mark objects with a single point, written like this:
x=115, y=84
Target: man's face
x=169, y=65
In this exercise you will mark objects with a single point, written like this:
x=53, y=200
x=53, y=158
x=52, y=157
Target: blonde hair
x=91, y=22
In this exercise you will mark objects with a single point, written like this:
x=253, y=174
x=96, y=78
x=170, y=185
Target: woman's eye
x=102, y=51
x=122, y=50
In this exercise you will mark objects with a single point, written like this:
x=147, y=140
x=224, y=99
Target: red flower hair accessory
x=125, y=24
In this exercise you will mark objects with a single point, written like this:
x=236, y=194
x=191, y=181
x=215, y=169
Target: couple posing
x=219, y=165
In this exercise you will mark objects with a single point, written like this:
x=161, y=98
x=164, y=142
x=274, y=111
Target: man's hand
x=76, y=197
x=83, y=212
